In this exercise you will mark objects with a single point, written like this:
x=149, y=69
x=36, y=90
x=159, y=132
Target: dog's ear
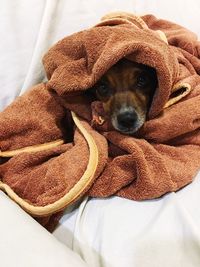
x=154, y=78
x=153, y=85
x=91, y=93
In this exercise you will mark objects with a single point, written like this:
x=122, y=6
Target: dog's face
x=126, y=91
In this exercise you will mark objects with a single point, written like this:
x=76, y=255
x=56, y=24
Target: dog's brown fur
x=126, y=91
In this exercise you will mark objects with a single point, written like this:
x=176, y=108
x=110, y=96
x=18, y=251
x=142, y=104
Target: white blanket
x=24, y=243
x=104, y=232
x=117, y=232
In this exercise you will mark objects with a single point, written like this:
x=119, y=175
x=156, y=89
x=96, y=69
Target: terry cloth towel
x=57, y=144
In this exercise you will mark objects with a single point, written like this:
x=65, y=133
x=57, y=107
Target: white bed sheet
x=105, y=232
x=117, y=232
x=24, y=243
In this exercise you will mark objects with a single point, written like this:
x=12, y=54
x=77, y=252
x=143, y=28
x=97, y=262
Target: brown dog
x=126, y=91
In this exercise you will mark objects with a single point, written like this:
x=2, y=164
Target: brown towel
x=56, y=145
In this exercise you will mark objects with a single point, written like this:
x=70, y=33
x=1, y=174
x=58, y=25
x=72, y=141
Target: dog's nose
x=127, y=119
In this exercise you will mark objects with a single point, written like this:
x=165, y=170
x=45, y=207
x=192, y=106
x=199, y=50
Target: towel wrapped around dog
x=56, y=144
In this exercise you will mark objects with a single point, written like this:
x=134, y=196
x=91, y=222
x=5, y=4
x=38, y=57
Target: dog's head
x=126, y=91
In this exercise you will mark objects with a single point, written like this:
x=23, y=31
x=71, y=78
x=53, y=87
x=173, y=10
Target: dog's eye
x=103, y=90
x=142, y=81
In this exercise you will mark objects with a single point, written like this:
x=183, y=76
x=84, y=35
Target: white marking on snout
x=124, y=108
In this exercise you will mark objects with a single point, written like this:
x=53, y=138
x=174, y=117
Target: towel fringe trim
x=34, y=148
x=78, y=188
x=180, y=90
x=117, y=18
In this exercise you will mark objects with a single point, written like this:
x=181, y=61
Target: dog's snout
x=127, y=119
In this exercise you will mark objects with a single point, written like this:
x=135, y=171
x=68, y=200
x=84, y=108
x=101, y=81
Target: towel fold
x=56, y=145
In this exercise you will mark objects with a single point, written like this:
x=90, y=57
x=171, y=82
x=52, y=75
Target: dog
x=126, y=91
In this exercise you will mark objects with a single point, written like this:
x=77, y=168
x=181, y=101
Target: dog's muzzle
x=127, y=121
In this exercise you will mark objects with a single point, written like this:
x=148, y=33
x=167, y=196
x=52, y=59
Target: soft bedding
x=114, y=231
x=162, y=233
x=24, y=243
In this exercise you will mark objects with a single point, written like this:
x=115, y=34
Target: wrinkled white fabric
x=105, y=232
x=117, y=232
x=24, y=243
